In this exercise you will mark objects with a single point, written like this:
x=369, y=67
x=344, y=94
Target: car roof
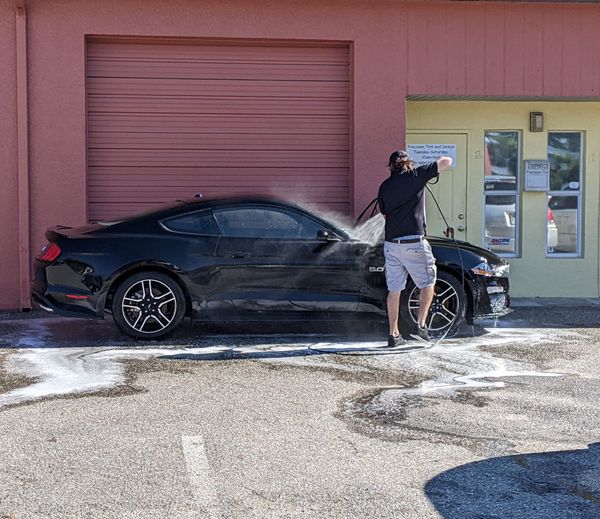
x=211, y=203
x=226, y=200
x=183, y=206
x=192, y=204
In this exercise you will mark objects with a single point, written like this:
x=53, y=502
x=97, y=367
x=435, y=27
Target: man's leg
x=425, y=299
x=395, y=274
x=423, y=271
x=393, y=307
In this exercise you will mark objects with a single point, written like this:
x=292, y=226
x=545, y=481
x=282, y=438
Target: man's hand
x=444, y=163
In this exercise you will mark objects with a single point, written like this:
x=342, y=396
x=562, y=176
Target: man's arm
x=380, y=202
x=444, y=163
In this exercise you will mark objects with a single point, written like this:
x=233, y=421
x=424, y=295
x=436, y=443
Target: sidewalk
x=570, y=302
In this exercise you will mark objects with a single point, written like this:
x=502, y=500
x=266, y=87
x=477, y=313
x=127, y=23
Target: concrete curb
x=548, y=302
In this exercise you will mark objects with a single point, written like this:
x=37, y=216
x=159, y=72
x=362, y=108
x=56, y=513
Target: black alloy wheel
x=148, y=305
x=447, y=308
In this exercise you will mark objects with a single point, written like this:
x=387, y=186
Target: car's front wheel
x=447, y=308
x=148, y=305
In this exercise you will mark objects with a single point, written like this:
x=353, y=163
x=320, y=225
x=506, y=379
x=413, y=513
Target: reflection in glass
x=562, y=217
x=564, y=198
x=564, y=154
x=500, y=218
x=501, y=160
x=265, y=223
x=195, y=223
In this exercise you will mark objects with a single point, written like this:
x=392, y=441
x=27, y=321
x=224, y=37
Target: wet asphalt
x=302, y=420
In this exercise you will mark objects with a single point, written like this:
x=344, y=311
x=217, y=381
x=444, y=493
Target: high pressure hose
x=449, y=233
x=382, y=351
x=374, y=204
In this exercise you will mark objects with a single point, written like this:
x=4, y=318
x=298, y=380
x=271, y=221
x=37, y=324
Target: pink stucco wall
x=57, y=103
x=504, y=49
x=57, y=93
x=399, y=48
x=9, y=258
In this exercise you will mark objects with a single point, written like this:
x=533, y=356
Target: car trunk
x=65, y=231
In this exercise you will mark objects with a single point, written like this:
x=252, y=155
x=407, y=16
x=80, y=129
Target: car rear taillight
x=50, y=252
x=550, y=215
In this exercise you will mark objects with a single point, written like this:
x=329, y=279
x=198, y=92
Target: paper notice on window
x=537, y=175
x=422, y=154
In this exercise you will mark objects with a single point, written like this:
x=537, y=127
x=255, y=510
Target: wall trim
x=23, y=156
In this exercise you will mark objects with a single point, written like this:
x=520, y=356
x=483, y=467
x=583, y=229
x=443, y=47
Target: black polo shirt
x=402, y=200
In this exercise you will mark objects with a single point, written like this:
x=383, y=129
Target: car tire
x=447, y=309
x=148, y=305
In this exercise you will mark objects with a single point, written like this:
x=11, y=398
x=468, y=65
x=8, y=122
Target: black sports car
x=236, y=259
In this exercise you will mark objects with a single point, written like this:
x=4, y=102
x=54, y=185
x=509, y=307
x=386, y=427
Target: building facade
x=110, y=106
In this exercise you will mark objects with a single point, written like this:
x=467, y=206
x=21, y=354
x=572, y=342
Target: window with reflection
x=501, y=188
x=200, y=222
x=564, y=197
x=265, y=222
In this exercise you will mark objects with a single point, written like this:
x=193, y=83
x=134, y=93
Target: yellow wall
x=532, y=273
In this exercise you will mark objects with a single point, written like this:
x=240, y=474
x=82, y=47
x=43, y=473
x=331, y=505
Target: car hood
x=490, y=257
x=474, y=252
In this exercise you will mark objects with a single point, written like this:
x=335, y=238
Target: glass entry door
x=451, y=190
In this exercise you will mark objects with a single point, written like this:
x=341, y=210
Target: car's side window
x=262, y=222
x=242, y=222
x=288, y=225
x=194, y=223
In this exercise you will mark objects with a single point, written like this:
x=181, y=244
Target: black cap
x=397, y=155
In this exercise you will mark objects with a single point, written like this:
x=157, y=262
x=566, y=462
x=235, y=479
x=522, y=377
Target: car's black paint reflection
x=246, y=259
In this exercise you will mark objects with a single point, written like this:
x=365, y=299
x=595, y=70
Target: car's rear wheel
x=447, y=308
x=148, y=305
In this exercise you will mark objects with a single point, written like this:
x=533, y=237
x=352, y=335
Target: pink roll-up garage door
x=171, y=118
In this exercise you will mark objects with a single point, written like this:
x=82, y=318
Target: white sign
x=537, y=175
x=425, y=153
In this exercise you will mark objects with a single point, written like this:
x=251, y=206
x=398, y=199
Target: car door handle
x=239, y=255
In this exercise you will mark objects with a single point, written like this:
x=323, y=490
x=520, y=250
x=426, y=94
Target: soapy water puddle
x=460, y=365
x=455, y=364
x=64, y=371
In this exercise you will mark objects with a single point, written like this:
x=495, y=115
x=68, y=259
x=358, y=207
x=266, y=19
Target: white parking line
x=197, y=468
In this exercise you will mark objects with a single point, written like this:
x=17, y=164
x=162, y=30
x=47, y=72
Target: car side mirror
x=327, y=235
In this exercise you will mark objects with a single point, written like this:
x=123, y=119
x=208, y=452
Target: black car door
x=275, y=258
x=374, y=293
x=196, y=235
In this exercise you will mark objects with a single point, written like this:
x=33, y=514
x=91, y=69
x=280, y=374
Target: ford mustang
x=248, y=258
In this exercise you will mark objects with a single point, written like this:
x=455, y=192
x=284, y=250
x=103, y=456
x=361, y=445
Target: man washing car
x=401, y=200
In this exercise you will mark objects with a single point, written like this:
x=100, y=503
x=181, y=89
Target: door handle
x=239, y=255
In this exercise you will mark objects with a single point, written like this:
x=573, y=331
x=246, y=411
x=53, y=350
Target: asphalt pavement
x=249, y=422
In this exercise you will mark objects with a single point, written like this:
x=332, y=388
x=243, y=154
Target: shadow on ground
x=38, y=330
x=223, y=341
x=562, y=484
x=56, y=332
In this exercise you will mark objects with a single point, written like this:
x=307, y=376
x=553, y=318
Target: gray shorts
x=414, y=259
